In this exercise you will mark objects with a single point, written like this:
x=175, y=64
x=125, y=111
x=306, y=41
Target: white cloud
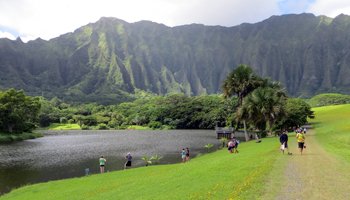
x=330, y=8
x=7, y=35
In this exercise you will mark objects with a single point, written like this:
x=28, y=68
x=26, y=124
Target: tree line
x=248, y=101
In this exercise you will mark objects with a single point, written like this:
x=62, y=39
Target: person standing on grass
x=128, y=158
x=231, y=146
x=301, y=141
x=284, y=142
x=187, y=154
x=102, y=161
x=235, y=148
x=183, y=155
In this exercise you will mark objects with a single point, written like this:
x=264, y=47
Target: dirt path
x=314, y=175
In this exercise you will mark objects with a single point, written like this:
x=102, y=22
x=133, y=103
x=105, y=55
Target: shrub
x=155, y=125
x=102, y=126
x=84, y=127
x=5, y=139
x=63, y=120
x=208, y=146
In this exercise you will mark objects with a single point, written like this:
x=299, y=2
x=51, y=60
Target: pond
x=66, y=154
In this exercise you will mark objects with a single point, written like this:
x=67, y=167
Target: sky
x=30, y=19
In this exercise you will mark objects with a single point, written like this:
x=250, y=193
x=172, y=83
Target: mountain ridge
x=107, y=60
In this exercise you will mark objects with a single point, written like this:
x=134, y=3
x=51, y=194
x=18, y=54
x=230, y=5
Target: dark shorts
x=301, y=145
x=128, y=164
x=230, y=148
x=101, y=165
x=187, y=155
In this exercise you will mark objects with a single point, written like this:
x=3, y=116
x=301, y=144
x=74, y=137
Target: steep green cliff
x=107, y=60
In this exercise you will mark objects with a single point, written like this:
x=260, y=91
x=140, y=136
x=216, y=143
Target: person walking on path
x=102, y=161
x=284, y=142
x=128, y=158
x=187, y=154
x=183, y=155
x=301, y=141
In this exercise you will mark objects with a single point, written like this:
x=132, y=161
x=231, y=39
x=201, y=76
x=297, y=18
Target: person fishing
x=128, y=158
x=102, y=162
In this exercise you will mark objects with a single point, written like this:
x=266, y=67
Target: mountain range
x=111, y=59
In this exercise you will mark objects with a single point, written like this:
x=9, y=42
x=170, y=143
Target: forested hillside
x=108, y=60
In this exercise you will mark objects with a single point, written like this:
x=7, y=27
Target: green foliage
x=208, y=146
x=7, y=138
x=224, y=141
x=263, y=105
x=84, y=127
x=63, y=120
x=297, y=113
x=18, y=112
x=147, y=160
x=156, y=158
x=155, y=125
x=102, y=126
x=137, y=127
x=59, y=126
x=175, y=111
x=241, y=81
x=329, y=99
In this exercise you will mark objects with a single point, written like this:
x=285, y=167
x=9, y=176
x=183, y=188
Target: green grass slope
x=58, y=126
x=329, y=99
x=332, y=124
x=218, y=175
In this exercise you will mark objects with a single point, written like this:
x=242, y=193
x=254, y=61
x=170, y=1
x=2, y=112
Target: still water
x=65, y=154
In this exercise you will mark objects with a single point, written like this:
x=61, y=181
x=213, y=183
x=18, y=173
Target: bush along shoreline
x=9, y=138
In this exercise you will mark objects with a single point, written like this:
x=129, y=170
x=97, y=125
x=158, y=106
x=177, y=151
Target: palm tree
x=263, y=105
x=241, y=82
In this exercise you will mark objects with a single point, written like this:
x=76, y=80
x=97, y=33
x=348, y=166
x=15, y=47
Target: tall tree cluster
x=263, y=104
x=18, y=112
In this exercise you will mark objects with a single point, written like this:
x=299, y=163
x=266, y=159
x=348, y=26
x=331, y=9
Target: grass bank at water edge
x=8, y=138
x=217, y=175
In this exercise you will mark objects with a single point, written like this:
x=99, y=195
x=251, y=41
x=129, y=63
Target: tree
x=263, y=105
x=297, y=112
x=18, y=112
x=241, y=82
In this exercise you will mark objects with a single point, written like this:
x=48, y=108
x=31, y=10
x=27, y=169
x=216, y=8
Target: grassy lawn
x=58, y=126
x=218, y=175
x=332, y=124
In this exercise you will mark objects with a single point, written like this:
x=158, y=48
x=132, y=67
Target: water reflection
x=65, y=154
